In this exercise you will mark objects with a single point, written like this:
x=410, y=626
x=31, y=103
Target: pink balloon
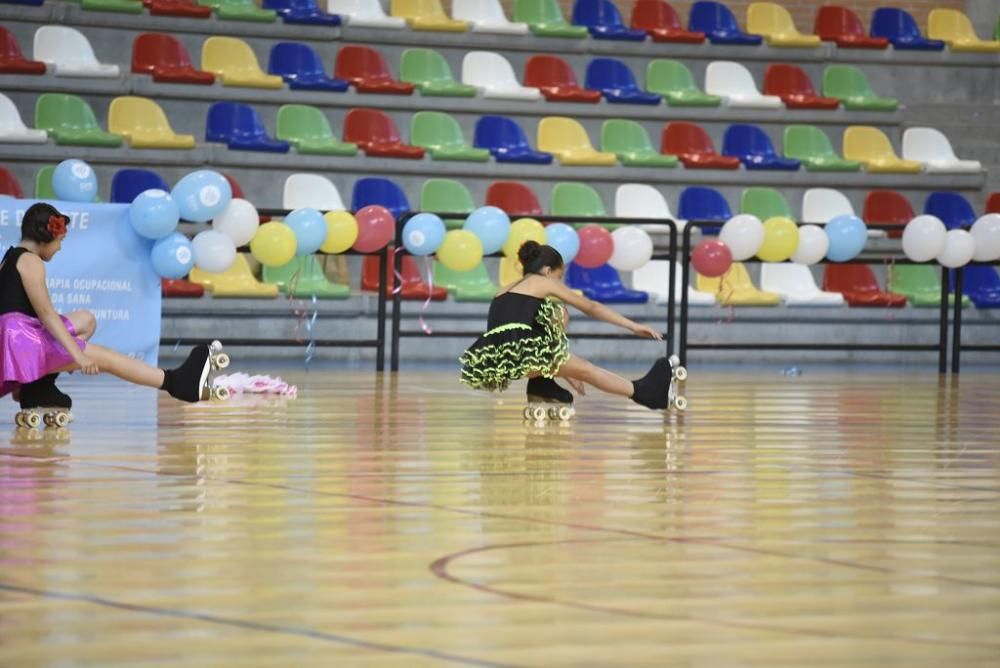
x=711, y=258
x=596, y=247
x=376, y=228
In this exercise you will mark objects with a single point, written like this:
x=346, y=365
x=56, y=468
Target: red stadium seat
x=555, y=78
x=993, y=203
x=186, y=8
x=858, y=285
x=694, y=147
x=181, y=288
x=515, y=198
x=9, y=184
x=794, y=88
x=164, y=57
x=662, y=23
x=377, y=135
x=368, y=72
x=839, y=24
x=12, y=61
x=888, y=207
x=414, y=286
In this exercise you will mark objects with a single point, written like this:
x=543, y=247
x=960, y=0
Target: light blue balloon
x=173, y=256
x=847, y=235
x=423, y=234
x=309, y=228
x=491, y=225
x=74, y=181
x=564, y=239
x=202, y=195
x=154, y=214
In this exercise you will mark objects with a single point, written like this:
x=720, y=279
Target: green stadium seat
x=672, y=79
x=442, y=136
x=546, y=19
x=850, y=85
x=812, y=147
x=630, y=142
x=308, y=130
x=304, y=277
x=446, y=196
x=239, y=10
x=429, y=72
x=71, y=122
x=765, y=203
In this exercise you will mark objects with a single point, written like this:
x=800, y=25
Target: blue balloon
x=848, y=235
x=154, y=214
x=202, y=195
x=491, y=225
x=564, y=239
x=173, y=256
x=74, y=181
x=423, y=234
x=309, y=227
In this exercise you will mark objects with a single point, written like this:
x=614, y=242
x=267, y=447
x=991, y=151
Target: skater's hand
x=87, y=365
x=577, y=385
x=647, y=332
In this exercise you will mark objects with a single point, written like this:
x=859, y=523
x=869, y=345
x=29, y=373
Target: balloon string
x=304, y=319
x=430, y=294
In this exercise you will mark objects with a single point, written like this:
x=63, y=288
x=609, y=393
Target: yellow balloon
x=461, y=250
x=781, y=239
x=273, y=245
x=521, y=230
x=341, y=231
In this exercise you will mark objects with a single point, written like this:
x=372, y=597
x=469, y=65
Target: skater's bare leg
x=84, y=323
x=126, y=368
x=579, y=369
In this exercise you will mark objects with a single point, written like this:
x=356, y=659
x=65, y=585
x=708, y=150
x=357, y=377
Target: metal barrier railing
x=956, y=332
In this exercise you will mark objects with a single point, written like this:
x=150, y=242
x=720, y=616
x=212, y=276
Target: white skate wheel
x=565, y=413
x=538, y=414
x=681, y=373
x=526, y=412
x=680, y=403
x=221, y=361
x=220, y=393
x=61, y=419
x=32, y=420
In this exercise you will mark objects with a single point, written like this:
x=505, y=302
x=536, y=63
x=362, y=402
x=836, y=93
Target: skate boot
x=547, y=399
x=659, y=389
x=191, y=381
x=41, y=401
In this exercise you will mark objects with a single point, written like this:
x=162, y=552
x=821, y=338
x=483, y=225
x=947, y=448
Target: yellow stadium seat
x=567, y=139
x=734, y=288
x=510, y=271
x=234, y=61
x=955, y=28
x=144, y=125
x=775, y=24
x=237, y=281
x=872, y=148
x=427, y=15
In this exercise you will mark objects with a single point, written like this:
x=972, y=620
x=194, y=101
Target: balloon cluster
x=489, y=230
x=778, y=239
x=925, y=238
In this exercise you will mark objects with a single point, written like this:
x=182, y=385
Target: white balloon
x=959, y=246
x=238, y=221
x=744, y=234
x=214, y=252
x=633, y=248
x=813, y=245
x=986, y=232
x=924, y=238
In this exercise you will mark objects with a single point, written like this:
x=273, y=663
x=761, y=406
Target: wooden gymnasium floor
x=849, y=520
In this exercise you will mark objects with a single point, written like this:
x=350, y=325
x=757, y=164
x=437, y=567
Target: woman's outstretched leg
x=577, y=368
x=124, y=367
x=651, y=391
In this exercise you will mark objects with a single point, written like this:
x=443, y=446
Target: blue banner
x=103, y=268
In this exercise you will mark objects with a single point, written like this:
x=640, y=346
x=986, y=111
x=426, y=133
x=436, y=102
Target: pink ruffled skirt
x=28, y=351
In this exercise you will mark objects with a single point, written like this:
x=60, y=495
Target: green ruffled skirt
x=515, y=350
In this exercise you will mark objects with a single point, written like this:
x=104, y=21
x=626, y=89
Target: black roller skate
x=547, y=399
x=660, y=388
x=191, y=381
x=41, y=401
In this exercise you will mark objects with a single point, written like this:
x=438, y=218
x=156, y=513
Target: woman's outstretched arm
x=596, y=310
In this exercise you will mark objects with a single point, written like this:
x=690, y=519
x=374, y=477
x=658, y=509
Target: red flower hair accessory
x=57, y=226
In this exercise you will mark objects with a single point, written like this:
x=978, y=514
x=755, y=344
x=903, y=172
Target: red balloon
x=376, y=228
x=711, y=258
x=596, y=247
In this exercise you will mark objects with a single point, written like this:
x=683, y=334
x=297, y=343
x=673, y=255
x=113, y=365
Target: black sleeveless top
x=13, y=298
x=513, y=307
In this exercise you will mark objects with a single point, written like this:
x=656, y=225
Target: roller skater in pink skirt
x=36, y=343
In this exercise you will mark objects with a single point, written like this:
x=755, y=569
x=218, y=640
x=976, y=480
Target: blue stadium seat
x=383, y=192
x=718, y=23
x=33, y=3
x=305, y=12
x=981, y=283
x=753, y=147
x=699, y=203
x=301, y=68
x=506, y=141
x=240, y=128
x=127, y=184
x=603, y=285
x=899, y=27
x=954, y=210
x=604, y=21
x=616, y=82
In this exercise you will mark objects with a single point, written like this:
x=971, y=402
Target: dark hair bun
x=530, y=250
